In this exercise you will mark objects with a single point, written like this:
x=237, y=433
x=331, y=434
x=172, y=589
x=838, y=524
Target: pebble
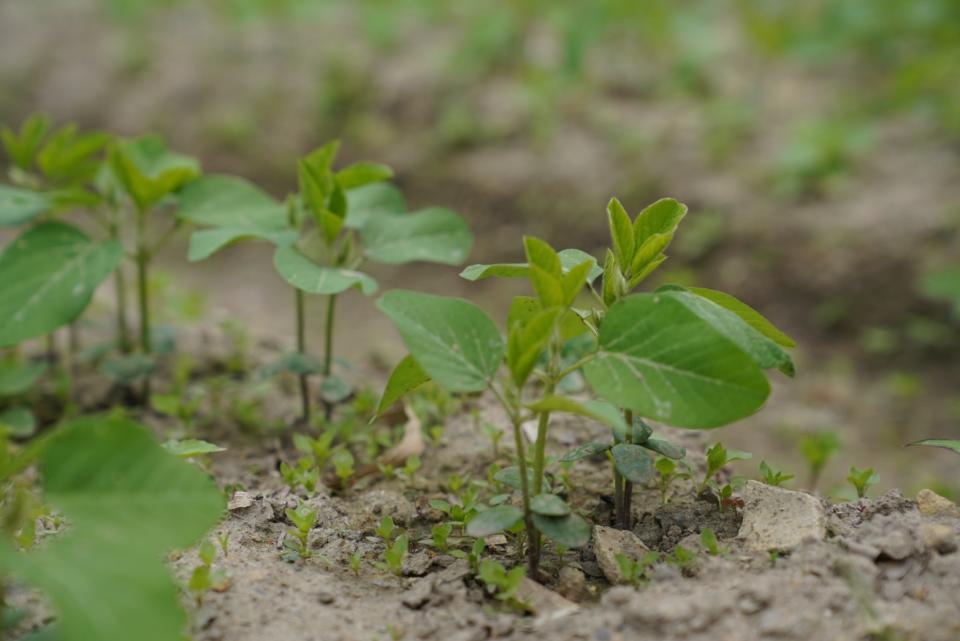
x=572, y=583
x=776, y=518
x=932, y=504
x=608, y=543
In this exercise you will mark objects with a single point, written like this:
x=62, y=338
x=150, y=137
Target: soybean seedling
x=818, y=449
x=323, y=234
x=356, y=560
x=861, y=480
x=303, y=519
x=706, y=343
x=772, y=476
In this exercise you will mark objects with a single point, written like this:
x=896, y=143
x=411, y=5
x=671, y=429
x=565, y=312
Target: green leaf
x=148, y=171
x=494, y=520
x=752, y=317
x=599, y=411
x=658, y=358
x=22, y=146
x=586, y=450
x=946, y=443
x=190, y=447
x=621, y=232
x=304, y=274
x=19, y=206
x=360, y=174
x=548, y=287
x=128, y=369
x=569, y=258
x=405, y=377
x=334, y=389
x=294, y=362
x=527, y=341
x=942, y=285
x=549, y=505
x=231, y=203
x=764, y=351
x=574, y=282
x=128, y=503
x=206, y=242
x=47, y=277
x=510, y=476
x=377, y=199
x=433, y=235
x=570, y=531
x=665, y=447
x=541, y=254
x=614, y=285
x=454, y=341
x=20, y=422
x=650, y=253
x=632, y=461
x=17, y=378
x=662, y=217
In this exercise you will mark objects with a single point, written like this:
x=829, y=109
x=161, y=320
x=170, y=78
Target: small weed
x=303, y=519
x=861, y=480
x=772, y=476
x=817, y=450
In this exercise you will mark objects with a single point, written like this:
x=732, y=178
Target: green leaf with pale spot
x=434, y=235
x=306, y=275
x=454, y=341
x=494, y=520
x=128, y=503
x=19, y=206
x=660, y=359
x=48, y=276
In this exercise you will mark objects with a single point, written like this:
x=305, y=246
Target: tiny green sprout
x=500, y=582
x=394, y=554
x=708, y=539
x=717, y=457
x=818, y=448
x=410, y=467
x=303, y=474
x=303, y=519
x=455, y=482
x=494, y=433
x=636, y=571
x=204, y=577
x=667, y=470
x=343, y=466
x=439, y=535
x=386, y=529
x=436, y=434
x=682, y=558
x=861, y=480
x=224, y=541
x=772, y=476
x=356, y=560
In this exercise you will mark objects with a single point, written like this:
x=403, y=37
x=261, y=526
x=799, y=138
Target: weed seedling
x=410, y=468
x=717, y=458
x=386, y=530
x=224, y=541
x=303, y=519
x=500, y=583
x=356, y=560
x=772, y=476
x=861, y=480
x=439, y=535
x=394, y=555
x=343, y=466
x=204, y=577
x=636, y=571
x=708, y=539
x=818, y=449
x=668, y=471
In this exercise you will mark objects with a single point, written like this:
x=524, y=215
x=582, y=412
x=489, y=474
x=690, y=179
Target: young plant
x=668, y=471
x=717, y=458
x=861, y=480
x=303, y=519
x=205, y=577
x=323, y=235
x=356, y=562
x=818, y=449
x=343, y=466
x=394, y=554
x=636, y=571
x=704, y=368
x=772, y=476
x=500, y=583
x=439, y=536
x=386, y=529
x=708, y=539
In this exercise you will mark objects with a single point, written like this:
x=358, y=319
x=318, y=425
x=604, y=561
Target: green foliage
x=708, y=539
x=817, y=449
x=394, y=555
x=117, y=488
x=205, y=577
x=717, y=458
x=501, y=583
x=861, y=480
x=303, y=519
x=636, y=571
x=949, y=444
x=405, y=377
x=669, y=471
x=148, y=172
x=772, y=476
x=191, y=448
x=386, y=529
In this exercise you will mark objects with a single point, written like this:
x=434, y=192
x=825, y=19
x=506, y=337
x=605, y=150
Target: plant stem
x=302, y=349
x=328, y=348
x=533, y=550
x=627, y=516
x=142, y=257
x=120, y=285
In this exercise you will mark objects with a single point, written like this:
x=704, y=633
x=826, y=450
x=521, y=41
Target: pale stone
x=775, y=518
x=609, y=542
x=932, y=504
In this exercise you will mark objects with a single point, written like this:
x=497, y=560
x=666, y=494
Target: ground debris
x=775, y=518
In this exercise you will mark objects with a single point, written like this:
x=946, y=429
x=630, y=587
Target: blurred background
x=816, y=143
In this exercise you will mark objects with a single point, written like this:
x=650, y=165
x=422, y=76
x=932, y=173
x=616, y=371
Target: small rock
x=775, y=518
x=417, y=564
x=572, y=583
x=543, y=602
x=939, y=537
x=932, y=504
x=325, y=597
x=609, y=542
x=240, y=500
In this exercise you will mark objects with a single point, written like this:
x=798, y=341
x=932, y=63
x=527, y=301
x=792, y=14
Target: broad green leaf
x=206, y=242
x=405, y=377
x=128, y=503
x=148, y=171
x=585, y=451
x=549, y=288
x=306, y=275
x=651, y=251
x=764, y=351
x=47, y=277
x=950, y=444
x=360, y=174
x=660, y=359
x=231, y=203
x=527, y=341
x=665, y=447
x=574, y=282
x=510, y=476
x=19, y=206
x=294, y=362
x=752, y=317
x=599, y=411
x=190, y=447
x=454, y=341
x=433, y=235
x=377, y=199
x=494, y=520
x=662, y=217
x=542, y=255
x=19, y=421
x=128, y=369
x=569, y=258
x=335, y=389
x=632, y=462
x=549, y=505
x=17, y=378
x=943, y=285
x=570, y=531
x=22, y=146
x=621, y=232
